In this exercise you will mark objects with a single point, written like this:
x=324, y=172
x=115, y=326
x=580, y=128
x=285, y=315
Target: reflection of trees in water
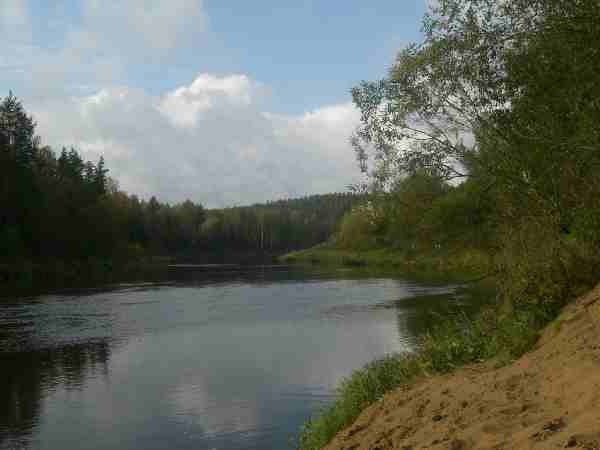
x=28, y=376
x=417, y=315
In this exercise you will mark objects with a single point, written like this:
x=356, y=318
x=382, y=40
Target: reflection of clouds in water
x=194, y=404
x=357, y=346
x=230, y=366
x=260, y=384
x=131, y=353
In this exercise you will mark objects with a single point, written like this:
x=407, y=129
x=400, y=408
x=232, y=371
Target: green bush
x=358, y=228
x=492, y=334
x=541, y=266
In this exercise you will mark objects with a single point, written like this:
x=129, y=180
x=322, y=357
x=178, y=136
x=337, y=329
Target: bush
x=358, y=228
x=492, y=334
x=541, y=266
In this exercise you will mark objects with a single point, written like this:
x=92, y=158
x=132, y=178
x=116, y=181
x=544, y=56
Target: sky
x=223, y=102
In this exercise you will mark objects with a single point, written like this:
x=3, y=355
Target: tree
x=427, y=113
x=19, y=194
x=17, y=131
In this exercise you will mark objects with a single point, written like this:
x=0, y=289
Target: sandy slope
x=550, y=398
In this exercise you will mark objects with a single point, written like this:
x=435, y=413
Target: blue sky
x=314, y=52
x=251, y=97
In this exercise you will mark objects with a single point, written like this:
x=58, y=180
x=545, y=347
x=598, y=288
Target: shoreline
x=496, y=337
x=548, y=398
x=456, y=263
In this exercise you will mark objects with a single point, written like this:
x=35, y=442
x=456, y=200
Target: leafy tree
x=504, y=95
x=427, y=113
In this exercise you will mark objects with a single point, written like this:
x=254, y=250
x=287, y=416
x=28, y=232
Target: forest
x=55, y=206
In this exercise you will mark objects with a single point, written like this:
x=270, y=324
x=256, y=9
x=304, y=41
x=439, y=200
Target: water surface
x=211, y=359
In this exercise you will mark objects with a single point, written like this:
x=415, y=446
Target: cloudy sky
x=225, y=102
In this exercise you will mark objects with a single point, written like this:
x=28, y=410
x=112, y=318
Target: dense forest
x=275, y=227
x=486, y=136
x=55, y=206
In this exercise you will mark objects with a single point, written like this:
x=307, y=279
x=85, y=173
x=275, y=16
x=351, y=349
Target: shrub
x=542, y=266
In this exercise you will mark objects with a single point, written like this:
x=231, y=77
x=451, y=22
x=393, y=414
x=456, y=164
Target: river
x=206, y=358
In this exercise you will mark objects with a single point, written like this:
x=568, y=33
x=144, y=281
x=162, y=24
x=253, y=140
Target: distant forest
x=57, y=206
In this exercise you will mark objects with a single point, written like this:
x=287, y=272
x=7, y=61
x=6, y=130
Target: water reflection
x=29, y=376
x=233, y=360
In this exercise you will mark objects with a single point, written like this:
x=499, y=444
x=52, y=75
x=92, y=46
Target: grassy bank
x=455, y=262
x=495, y=334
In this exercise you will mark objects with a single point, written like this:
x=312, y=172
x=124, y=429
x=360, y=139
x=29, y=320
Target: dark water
x=203, y=360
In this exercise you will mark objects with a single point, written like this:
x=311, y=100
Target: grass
x=457, y=341
x=467, y=262
x=363, y=388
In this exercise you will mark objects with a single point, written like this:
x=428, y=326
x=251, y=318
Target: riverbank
x=495, y=338
x=459, y=262
x=549, y=398
x=453, y=341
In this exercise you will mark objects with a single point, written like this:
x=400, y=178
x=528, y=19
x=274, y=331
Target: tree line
x=277, y=226
x=57, y=206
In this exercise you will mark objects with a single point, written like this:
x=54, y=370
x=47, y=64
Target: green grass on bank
x=466, y=262
x=503, y=336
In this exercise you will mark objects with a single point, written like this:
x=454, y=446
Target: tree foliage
x=505, y=96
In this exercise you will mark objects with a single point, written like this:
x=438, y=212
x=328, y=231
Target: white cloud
x=185, y=105
x=208, y=141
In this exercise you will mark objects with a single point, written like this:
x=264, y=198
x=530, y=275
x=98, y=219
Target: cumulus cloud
x=185, y=105
x=209, y=141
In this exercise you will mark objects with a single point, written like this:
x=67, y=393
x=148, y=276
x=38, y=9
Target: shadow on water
x=426, y=307
x=422, y=313
x=37, y=357
x=29, y=375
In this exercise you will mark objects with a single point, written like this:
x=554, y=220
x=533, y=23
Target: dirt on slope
x=549, y=398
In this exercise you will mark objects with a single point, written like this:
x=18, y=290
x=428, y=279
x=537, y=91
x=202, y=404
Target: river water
x=203, y=359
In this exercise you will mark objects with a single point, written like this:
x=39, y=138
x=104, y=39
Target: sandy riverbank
x=549, y=398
